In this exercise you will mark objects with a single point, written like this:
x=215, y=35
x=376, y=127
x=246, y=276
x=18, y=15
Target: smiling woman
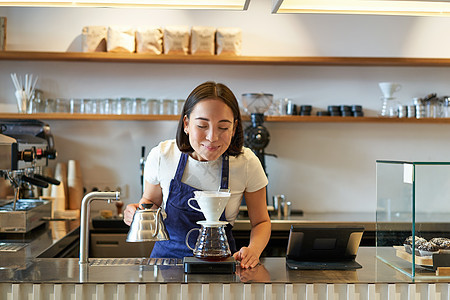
x=210, y=128
x=208, y=155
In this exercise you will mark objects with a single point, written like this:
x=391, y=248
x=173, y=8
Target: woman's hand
x=129, y=213
x=260, y=233
x=248, y=257
x=152, y=195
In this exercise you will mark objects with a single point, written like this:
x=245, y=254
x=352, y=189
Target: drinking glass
x=39, y=103
x=101, y=106
x=50, y=105
x=62, y=105
x=153, y=106
x=75, y=106
x=178, y=106
x=139, y=103
x=166, y=107
x=87, y=104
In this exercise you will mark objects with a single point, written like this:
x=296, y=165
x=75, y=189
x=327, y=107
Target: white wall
x=320, y=166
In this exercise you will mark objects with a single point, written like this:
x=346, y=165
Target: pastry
x=445, y=245
x=440, y=241
x=419, y=240
x=428, y=246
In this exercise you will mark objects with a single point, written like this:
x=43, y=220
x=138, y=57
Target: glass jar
x=178, y=105
x=76, y=106
x=420, y=108
x=434, y=108
x=166, y=107
x=153, y=106
x=138, y=104
x=446, y=107
x=38, y=105
x=50, y=105
x=62, y=105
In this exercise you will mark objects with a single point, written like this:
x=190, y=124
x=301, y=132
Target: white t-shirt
x=245, y=174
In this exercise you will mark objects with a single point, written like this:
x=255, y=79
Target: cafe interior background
x=320, y=167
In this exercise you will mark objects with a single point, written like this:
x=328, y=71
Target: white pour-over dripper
x=389, y=88
x=211, y=203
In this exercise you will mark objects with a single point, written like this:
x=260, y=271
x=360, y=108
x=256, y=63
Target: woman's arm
x=152, y=195
x=261, y=228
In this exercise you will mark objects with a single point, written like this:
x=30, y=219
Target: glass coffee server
x=413, y=217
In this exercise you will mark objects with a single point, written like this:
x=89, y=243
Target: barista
x=207, y=154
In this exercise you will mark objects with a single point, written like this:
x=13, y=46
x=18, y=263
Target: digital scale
x=194, y=265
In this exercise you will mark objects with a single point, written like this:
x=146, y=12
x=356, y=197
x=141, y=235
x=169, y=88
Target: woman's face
x=210, y=128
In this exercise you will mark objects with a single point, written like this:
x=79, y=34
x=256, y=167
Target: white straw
x=34, y=84
x=26, y=84
x=15, y=82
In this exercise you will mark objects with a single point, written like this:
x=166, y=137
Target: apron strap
x=225, y=172
x=181, y=166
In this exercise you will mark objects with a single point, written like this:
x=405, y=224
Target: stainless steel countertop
x=23, y=266
x=271, y=270
x=34, y=242
x=368, y=220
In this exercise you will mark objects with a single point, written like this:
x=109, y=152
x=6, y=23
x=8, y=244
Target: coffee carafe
x=390, y=105
x=212, y=243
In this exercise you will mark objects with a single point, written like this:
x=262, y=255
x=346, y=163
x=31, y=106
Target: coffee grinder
x=256, y=136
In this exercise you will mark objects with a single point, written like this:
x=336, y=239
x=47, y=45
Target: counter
x=25, y=272
x=64, y=278
x=271, y=270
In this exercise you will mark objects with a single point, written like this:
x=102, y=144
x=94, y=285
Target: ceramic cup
x=211, y=203
x=389, y=88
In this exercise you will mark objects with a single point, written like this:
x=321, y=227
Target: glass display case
x=413, y=204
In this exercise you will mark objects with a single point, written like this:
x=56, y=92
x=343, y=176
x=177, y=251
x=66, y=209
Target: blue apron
x=181, y=218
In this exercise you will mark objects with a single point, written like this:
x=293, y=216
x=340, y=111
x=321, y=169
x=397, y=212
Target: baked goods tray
x=441, y=263
x=420, y=260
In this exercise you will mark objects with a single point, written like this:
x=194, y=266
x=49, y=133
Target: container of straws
x=24, y=91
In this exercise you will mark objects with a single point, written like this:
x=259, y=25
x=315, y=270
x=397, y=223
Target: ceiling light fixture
x=158, y=4
x=372, y=7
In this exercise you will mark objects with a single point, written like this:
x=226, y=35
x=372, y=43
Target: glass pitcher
x=389, y=107
x=212, y=243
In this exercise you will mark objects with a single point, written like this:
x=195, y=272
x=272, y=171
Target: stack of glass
x=118, y=106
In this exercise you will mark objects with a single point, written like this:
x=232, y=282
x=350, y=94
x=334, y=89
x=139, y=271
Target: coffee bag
x=176, y=40
x=93, y=38
x=121, y=39
x=149, y=40
x=229, y=41
x=203, y=40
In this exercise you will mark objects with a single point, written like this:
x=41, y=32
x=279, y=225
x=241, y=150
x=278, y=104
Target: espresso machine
x=25, y=149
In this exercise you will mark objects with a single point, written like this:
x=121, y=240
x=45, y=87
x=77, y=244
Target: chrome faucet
x=84, y=234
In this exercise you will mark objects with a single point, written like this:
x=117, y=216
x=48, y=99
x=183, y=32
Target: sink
x=136, y=261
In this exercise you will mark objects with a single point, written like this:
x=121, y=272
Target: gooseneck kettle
x=148, y=225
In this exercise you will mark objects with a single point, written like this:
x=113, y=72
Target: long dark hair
x=218, y=91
